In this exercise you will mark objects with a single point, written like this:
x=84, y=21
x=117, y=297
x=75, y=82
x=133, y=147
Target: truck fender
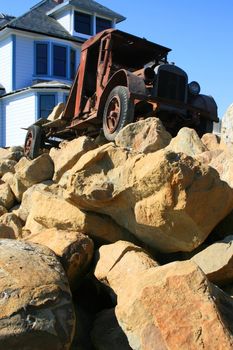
x=208, y=104
x=136, y=86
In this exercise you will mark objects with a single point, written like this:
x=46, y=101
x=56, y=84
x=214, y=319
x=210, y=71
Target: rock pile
x=124, y=245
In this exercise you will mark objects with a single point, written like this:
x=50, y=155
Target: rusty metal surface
x=114, y=58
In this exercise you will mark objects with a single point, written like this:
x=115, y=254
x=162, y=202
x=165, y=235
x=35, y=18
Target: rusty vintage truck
x=121, y=79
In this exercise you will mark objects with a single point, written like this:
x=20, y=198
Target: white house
x=39, y=55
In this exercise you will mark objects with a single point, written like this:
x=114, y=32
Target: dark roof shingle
x=36, y=20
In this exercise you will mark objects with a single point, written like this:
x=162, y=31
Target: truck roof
x=129, y=48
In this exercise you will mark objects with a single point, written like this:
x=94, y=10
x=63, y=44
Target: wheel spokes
x=113, y=114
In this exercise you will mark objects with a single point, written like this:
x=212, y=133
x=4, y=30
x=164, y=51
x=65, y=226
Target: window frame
x=91, y=32
x=74, y=63
x=43, y=94
x=103, y=19
x=66, y=76
x=36, y=43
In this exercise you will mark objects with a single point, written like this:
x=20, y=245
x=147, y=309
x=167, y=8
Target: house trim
x=72, y=39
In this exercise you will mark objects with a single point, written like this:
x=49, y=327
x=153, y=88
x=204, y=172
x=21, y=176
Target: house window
x=102, y=24
x=65, y=98
x=59, y=60
x=46, y=105
x=72, y=63
x=41, y=59
x=82, y=23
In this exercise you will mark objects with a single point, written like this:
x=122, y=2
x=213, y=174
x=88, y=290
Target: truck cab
x=123, y=78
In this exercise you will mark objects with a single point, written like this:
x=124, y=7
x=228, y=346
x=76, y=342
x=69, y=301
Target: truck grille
x=171, y=86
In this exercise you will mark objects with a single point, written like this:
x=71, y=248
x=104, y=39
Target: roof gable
x=93, y=6
x=36, y=19
x=4, y=19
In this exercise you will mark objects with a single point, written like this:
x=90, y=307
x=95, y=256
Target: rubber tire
x=126, y=111
x=34, y=151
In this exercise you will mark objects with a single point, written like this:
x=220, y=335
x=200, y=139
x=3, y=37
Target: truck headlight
x=194, y=88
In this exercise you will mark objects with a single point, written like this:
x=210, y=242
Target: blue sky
x=200, y=34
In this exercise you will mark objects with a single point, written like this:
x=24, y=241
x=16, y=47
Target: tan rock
x=7, y=165
x=173, y=307
x=50, y=210
x=119, y=262
x=106, y=333
x=68, y=154
x=28, y=173
x=163, y=198
x=10, y=226
x=26, y=203
x=211, y=141
x=7, y=198
x=56, y=112
x=73, y=248
x=36, y=304
x=144, y=136
x=216, y=261
x=3, y=210
x=31, y=172
x=11, y=153
x=187, y=141
x=224, y=166
x=208, y=156
x=16, y=185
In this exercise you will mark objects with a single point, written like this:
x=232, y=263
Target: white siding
x=2, y=126
x=20, y=112
x=24, y=62
x=64, y=18
x=6, y=63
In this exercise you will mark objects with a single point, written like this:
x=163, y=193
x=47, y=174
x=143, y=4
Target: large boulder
x=216, y=261
x=28, y=173
x=14, y=153
x=7, y=198
x=211, y=141
x=208, y=156
x=224, y=166
x=16, y=185
x=36, y=304
x=49, y=209
x=7, y=165
x=167, y=200
x=175, y=307
x=68, y=154
x=3, y=210
x=56, y=112
x=119, y=262
x=188, y=142
x=74, y=249
x=144, y=136
x=25, y=206
x=10, y=226
x=34, y=171
x=227, y=126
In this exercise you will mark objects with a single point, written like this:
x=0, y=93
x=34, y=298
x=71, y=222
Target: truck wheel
x=118, y=112
x=33, y=142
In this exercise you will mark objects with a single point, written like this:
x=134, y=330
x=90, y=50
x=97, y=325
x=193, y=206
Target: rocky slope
x=124, y=245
